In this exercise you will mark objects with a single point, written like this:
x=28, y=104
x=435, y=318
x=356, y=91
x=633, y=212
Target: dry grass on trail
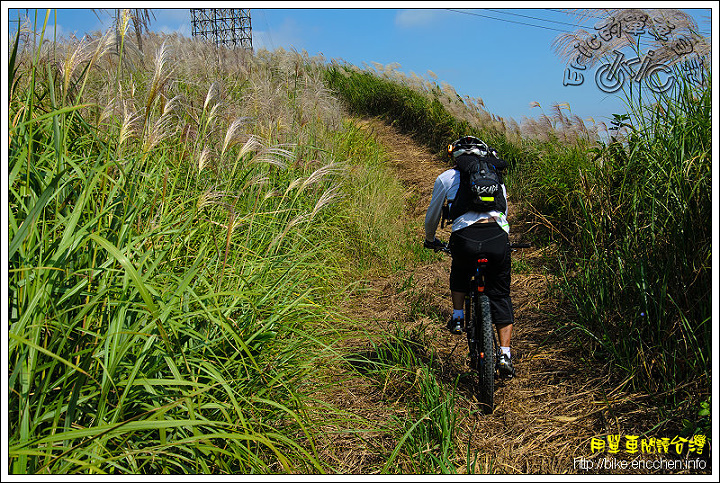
x=544, y=418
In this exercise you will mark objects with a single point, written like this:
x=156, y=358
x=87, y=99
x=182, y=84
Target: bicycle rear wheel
x=486, y=355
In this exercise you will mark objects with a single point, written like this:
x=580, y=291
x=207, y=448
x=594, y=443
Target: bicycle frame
x=480, y=331
x=472, y=297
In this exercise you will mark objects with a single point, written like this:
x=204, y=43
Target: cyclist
x=471, y=232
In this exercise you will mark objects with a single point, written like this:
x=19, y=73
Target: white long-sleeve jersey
x=446, y=187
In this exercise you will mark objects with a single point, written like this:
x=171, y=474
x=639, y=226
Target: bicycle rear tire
x=486, y=356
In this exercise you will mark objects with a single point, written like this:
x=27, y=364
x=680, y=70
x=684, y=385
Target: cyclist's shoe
x=505, y=367
x=436, y=245
x=455, y=325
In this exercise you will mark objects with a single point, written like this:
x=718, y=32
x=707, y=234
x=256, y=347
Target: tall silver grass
x=666, y=25
x=172, y=240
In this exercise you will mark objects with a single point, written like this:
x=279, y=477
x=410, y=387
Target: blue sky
x=504, y=56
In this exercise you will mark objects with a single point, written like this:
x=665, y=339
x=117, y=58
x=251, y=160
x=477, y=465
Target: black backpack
x=480, y=186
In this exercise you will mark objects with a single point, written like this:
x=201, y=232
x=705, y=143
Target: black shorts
x=490, y=241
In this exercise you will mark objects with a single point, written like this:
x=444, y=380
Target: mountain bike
x=482, y=341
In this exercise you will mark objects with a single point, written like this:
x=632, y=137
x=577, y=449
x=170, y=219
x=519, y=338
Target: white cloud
x=182, y=29
x=172, y=15
x=416, y=18
x=171, y=20
x=101, y=20
x=287, y=36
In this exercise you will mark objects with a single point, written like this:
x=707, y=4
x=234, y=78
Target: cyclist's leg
x=497, y=288
x=460, y=268
x=497, y=284
x=460, y=274
x=458, y=299
x=504, y=334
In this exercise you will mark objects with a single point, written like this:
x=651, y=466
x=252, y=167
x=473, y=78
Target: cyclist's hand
x=435, y=245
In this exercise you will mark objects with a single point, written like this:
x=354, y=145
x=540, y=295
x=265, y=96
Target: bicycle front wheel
x=486, y=355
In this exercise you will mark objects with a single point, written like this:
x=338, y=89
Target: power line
x=534, y=18
x=703, y=32
x=506, y=20
x=566, y=12
x=520, y=23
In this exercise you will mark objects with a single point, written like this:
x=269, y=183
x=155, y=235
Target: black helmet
x=467, y=145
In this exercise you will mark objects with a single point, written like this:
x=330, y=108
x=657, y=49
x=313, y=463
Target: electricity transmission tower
x=228, y=27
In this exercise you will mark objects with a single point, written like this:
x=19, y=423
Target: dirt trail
x=544, y=418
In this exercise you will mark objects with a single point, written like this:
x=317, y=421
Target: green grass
x=429, y=439
x=178, y=242
x=629, y=216
x=644, y=243
x=420, y=115
x=184, y=229
x=401, y=365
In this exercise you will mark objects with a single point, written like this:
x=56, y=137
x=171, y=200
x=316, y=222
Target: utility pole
x=228, y=27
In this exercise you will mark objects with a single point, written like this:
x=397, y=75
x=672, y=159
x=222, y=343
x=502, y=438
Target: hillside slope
x=544, y=419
